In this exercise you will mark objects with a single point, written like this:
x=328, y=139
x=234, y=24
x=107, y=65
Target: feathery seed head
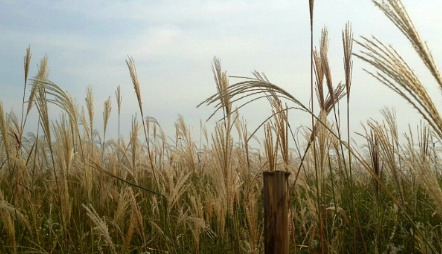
x=347, y=41
x=118, y=97
x=27, y=61
x=90, y=107
x=106, y=112
x=133, y=74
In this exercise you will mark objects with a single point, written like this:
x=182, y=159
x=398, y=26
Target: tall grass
x=66, y=188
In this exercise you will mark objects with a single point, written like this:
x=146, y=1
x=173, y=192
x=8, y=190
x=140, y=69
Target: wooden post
x=276, y=207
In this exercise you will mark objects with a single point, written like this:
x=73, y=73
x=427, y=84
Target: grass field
x=67, y=188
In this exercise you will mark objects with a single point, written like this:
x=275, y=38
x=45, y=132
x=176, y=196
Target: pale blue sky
x=173, y=43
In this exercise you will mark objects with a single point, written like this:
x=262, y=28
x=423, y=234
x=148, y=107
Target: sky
x=173, y=44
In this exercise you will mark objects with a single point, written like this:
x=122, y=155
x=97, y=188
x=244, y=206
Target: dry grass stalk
x=252, y=208
x=311, y=7
x=258, y=86
x=119, y=99
x=133, y=74
x=100, y=226
x=241, y=127
x=122, y=207
x=281, y=128
x=396, y=12
x=64, y=157
x=382, y=148
x=325, y=64
x=59, y=97
x=134, y=143
x=347, y=42
x=395, y=73
x=136, y=219
x=270, y=148
x=8, y=215
x=86, y=129
x=330, y=102
x=17, y=215
x=421, y=161
x=222, y=84
x=26, y=63
x=37, y=82
x=176, y=185
x=186, y=146
x=106, y=113
x=4, y=129
x=90, y=110
x=41, y=102
x=322, y=135
x=62, y=99
x=9, y=227
x=319, y=74
x=373, y=148
x=431, y=185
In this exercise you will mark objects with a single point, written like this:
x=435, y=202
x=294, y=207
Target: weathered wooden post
x=276, y=207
